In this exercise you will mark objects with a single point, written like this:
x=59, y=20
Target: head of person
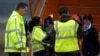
x=48, y=21
x=63, y=10
x=87, y=18
x=64, y=17
x=21, y=8
x=77, y=18
x=34, y=22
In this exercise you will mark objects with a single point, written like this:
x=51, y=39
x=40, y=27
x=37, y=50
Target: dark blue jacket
x=90, y=42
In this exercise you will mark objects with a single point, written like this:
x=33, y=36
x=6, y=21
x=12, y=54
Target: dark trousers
x=40, y=53
x=49, y=51
x=14, y=54
x=74, y=53
x=89, y=54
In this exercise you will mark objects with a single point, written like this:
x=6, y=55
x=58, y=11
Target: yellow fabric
x=37, y=36
x=66, y=36
x=15, y=36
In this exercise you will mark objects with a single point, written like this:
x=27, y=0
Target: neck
x=19, y=12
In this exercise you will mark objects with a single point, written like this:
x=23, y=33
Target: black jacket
x=90, y=41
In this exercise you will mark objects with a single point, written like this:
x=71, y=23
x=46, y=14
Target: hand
x=19, y=49
x=28, y=49
x=28, y=37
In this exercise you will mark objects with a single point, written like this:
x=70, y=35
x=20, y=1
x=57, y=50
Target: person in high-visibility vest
x=66, y=41
x=37, y=36
x=15, y=35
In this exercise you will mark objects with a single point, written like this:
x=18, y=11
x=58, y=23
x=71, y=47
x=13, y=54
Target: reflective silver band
x=14, y=48
x=18, y=42
x=9, y=31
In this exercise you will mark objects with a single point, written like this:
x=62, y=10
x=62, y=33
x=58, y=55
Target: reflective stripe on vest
x=13, y=30
x=21, y=34
x=58, y=38
x=14, y=48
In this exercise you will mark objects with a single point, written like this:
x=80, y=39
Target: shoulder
x=92, y=31
x=93, y=28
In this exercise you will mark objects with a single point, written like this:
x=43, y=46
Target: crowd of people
x=70, y=35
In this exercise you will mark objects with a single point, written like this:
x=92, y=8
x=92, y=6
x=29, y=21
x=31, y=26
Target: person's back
x=66, y=36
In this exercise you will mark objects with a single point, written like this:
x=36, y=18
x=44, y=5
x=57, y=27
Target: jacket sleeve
x=17, y=39
x=80, y=32
x=95, y=38
x=38, y=34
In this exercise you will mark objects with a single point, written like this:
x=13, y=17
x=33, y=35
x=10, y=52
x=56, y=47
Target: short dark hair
x=49, y=19
x=35, y=20
x=63, y=10
x=21, y=5
x=88, y=16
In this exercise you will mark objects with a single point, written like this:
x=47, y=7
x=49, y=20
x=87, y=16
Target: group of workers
x=68, y=36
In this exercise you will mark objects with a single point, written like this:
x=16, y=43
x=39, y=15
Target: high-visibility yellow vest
x=66, y=36
x=37, y=36
x=15, y=36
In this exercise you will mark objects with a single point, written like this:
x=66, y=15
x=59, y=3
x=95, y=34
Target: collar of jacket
x=15, y=13
x=87, y=27
x=65, y=19
x=38, y=26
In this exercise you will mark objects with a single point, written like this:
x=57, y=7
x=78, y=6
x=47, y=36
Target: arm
x=80, y=35
x=20, y=34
